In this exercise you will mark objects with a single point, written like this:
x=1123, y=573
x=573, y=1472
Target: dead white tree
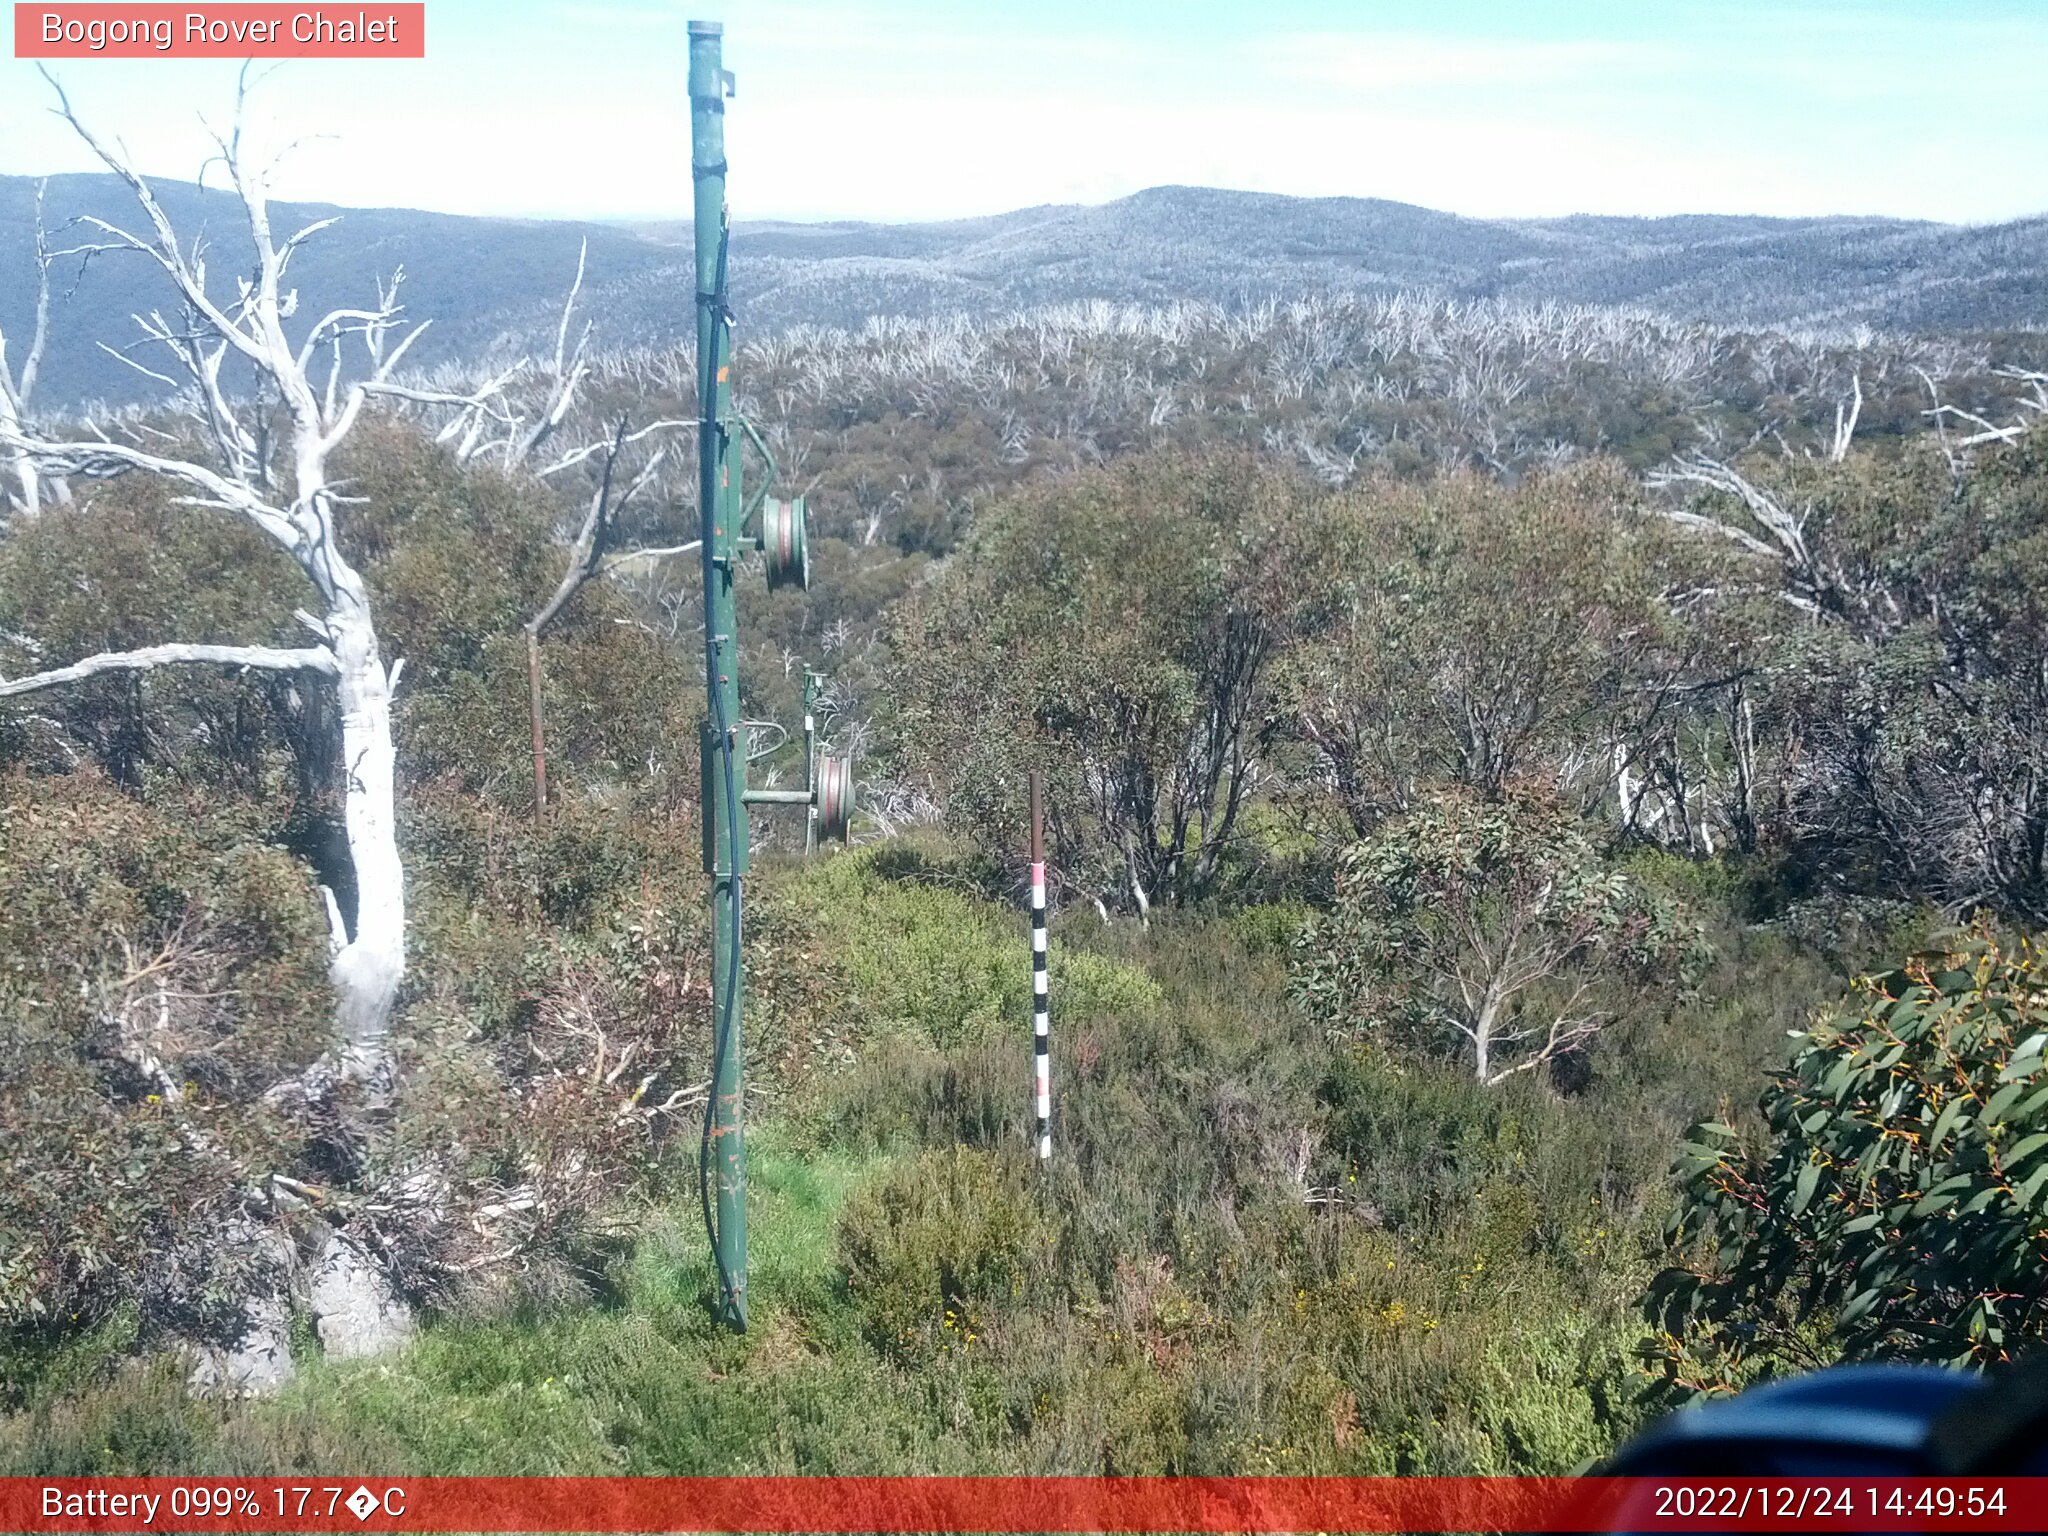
x=2029, y=410
x=1847, y=414
x=1767, y=528
x=593, y=551
x=591, y=554
x=296, y=508
x=24, y=492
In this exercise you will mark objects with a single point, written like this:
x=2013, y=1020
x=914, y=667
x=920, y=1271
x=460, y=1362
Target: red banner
x=72, y=31
x=1019, y=1504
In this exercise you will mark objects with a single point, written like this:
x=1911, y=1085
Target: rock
x=355, y=1311
x=258, y=1364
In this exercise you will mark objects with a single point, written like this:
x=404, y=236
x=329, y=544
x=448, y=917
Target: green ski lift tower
x=782, y=538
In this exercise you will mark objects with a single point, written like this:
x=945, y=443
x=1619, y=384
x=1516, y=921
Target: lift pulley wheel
x=835, y=797
x=785, y=542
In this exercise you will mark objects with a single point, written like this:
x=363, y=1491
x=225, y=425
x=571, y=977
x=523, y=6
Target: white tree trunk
x=25, y=495
x=368, y=963
x=17, y=390
x=1485, y=1024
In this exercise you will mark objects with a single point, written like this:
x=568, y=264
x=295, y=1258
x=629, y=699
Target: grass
x=644, y=1384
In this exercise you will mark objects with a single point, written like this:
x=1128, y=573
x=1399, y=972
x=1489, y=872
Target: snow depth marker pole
x=1041, y=1018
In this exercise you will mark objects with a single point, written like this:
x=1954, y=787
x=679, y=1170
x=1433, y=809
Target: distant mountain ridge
x=491, y=285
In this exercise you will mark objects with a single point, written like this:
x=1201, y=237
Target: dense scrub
x=164, y=843
x=164, y=966
x=1254, y=1253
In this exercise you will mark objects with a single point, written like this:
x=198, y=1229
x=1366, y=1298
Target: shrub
x=1166, y=583
x=128, y=566
x=1491, y=923
x=1895, y=1204
x=1271, y=927
x=559, y=1000
x=938, y=1246
x=930, y=962
x=1490, y=628
x=163, y=968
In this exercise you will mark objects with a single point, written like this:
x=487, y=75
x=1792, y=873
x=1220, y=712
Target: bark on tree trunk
x=27, y=492
x=356, y=1310
x=370, y=960
x=30, y=493
x=1482, y=1037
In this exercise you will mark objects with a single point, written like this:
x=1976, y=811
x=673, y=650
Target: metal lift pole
x=723, y=754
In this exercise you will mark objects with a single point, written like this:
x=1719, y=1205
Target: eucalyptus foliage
x=1898, y=1204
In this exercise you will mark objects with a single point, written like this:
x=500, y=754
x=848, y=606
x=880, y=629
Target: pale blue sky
x=904, y=109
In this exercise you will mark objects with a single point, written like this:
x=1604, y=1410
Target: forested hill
x=495, y=283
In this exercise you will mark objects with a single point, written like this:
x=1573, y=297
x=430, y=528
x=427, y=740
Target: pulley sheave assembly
x=827, y=795
x=783, y=537
x=833, y=797
x=785, y=540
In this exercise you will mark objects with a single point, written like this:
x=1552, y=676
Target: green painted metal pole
x=722, y=756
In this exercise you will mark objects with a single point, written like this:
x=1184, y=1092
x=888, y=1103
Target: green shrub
x=1489, y=929
x=128, y=566
x=1270, y=928
x=937, y=1249
x=936, y=964
x=162, y=969
x=1893, y=1206
x=1167, y=581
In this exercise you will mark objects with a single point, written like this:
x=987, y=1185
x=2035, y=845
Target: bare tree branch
x=149, y=658
x=591, y=450
x=626, y=557
x=102, y=460
x=569, y=369
x=1845, y=420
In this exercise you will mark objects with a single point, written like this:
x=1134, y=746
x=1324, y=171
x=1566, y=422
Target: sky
x=924, y=109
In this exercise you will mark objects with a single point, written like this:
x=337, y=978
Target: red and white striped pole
x=1041, y=1018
